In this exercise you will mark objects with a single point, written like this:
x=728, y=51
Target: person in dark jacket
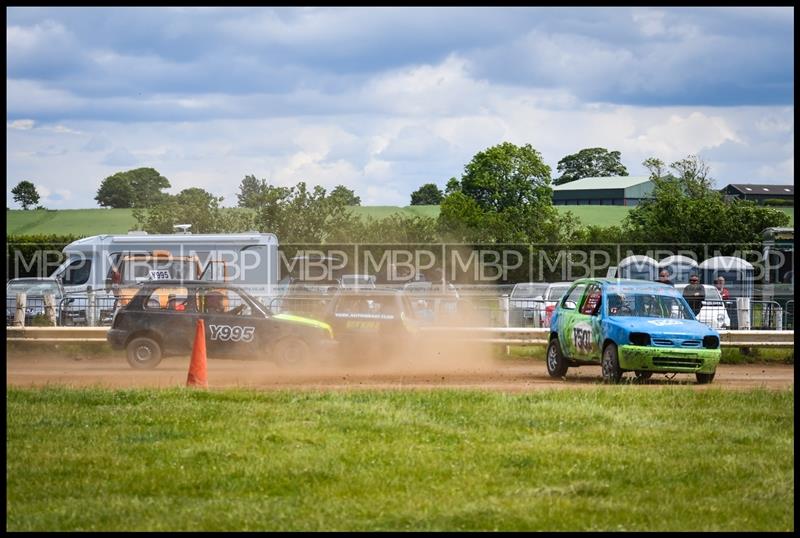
x=695, y=294
x=663, y=278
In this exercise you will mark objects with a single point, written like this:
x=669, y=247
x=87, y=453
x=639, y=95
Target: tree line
x=504, y=195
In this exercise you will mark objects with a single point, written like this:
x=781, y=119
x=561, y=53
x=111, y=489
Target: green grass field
x=616, y=458
x=114, y=221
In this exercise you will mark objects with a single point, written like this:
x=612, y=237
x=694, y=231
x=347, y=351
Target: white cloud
x=401, y=128
x=679, y=135
x=22, y=40
x=769, y=172
x=23, y=125
x=26, y=96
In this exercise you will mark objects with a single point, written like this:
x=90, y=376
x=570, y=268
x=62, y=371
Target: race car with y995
x=236, y=325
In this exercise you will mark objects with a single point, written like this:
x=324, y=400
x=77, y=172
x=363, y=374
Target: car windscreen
x=528, y=291
x=647, y=305
x=555, y=292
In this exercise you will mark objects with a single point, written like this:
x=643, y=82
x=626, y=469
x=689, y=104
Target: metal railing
x=26, y=311
x=86, y=310
x=476, y=307
x=490, y=335
x=748, y=314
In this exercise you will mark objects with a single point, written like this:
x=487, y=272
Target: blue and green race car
x=630, y=325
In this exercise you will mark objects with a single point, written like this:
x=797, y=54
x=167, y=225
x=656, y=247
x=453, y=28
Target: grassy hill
x=109, y=221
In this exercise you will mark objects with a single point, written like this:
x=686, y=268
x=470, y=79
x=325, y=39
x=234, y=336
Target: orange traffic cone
x=198, y=376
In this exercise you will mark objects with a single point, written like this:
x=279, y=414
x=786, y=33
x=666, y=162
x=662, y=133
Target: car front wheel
x=143, y=353
x=291, y=351
x=612, y=373
x=556, y=363
x=704, y=379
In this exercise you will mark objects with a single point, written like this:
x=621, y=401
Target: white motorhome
x=250, y=259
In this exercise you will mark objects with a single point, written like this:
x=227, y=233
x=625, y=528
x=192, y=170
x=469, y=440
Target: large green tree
x=507, y=176
x=428, y=194
x=115, y=191
x=685, y=208
x=25, y=194
x=590, y=162
x=504, y=195
x=141, y=187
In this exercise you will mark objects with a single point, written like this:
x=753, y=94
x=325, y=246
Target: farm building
x=759, y=193
x=619, y=190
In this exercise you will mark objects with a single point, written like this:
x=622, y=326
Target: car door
x=586, y=333
x=232, y=324
x=574, y=331
x=175, y=321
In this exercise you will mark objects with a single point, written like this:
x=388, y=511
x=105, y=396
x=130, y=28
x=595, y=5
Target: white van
x=250, y=259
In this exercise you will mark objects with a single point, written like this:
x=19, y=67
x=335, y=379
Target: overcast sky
x=385, y=99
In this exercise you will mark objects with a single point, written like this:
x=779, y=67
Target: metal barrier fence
x=476, y=308
x=86, y=311
x=747, y=314
x=24, y=310
x=491, y=335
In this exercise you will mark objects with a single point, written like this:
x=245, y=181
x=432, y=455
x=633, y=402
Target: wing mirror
x=570, y=305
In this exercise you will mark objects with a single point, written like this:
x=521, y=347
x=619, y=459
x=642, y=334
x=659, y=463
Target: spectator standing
x=663, y=278
x=719, y=283
x=695, y=294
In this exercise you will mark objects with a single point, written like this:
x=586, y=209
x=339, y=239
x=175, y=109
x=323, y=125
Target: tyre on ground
x=291, y=351
x=612, y=373
x=643, y=375
x=144, y=353
x=556, y=363
x=704, y=379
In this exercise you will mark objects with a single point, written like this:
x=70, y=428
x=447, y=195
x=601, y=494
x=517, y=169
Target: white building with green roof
x=615, y=190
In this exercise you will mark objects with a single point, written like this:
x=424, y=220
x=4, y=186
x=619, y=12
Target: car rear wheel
x=291, y=351
x=704, y=379
x=143, y=353
x=556, y=363
x=612, y=373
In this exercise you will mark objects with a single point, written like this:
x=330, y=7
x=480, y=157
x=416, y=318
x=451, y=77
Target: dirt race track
x=510, y=375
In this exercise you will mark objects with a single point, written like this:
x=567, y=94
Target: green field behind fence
x=106, y=221
x=602, y=458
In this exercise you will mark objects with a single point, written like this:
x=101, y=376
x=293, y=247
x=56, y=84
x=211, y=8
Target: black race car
x=373, y=323
x=236, y=324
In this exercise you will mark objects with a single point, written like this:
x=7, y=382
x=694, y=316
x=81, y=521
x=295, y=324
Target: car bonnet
x=665, y=326
x=304, y=321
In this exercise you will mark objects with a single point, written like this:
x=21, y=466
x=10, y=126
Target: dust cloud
x=417, y=354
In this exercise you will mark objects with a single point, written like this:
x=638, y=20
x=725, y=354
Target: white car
x=532, y=303
x=713, y=312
